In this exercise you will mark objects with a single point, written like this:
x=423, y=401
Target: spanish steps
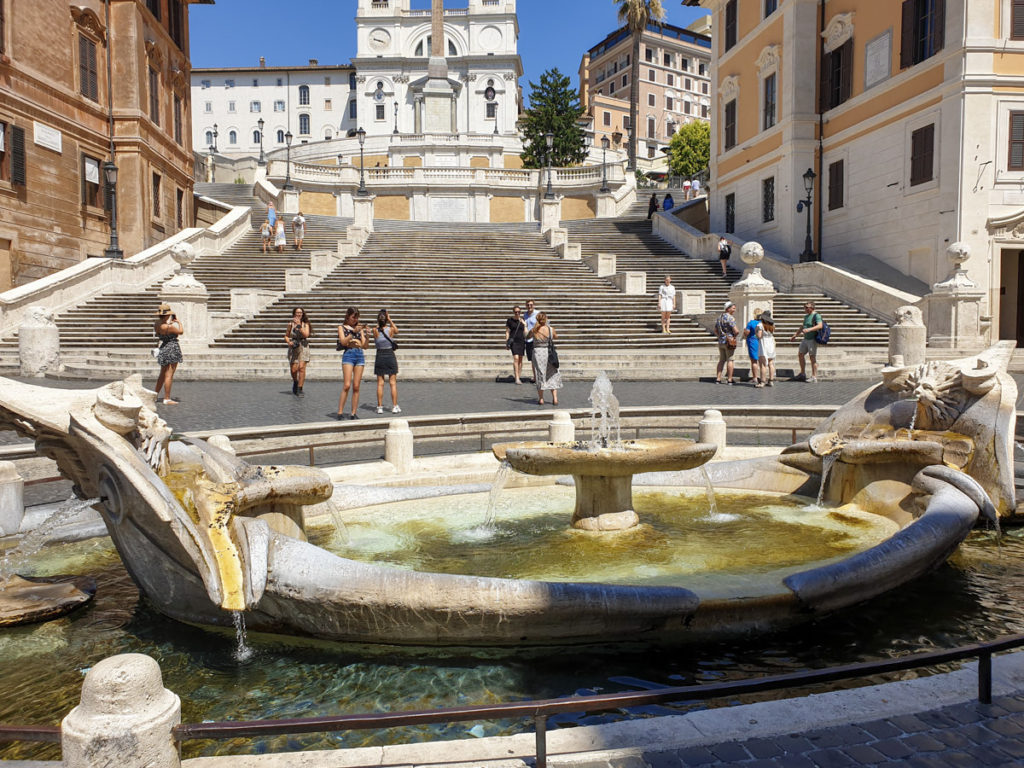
x=450, y=288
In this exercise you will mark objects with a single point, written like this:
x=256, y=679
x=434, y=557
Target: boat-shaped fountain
x=207, y=536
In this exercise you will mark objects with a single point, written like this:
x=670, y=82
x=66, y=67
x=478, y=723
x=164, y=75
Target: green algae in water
x=677, y=539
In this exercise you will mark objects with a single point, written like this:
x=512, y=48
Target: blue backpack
x=824, y=333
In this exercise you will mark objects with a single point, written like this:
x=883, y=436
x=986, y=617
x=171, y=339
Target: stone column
x=561, y=428
x=605, y=205
x=953, y=309
x=188, y=299
x=753, y=292
x=12, y=499
x=711, y=429
x=550, y=214
x=398, y=445
x=362, y=211
x=39, y=343
x=125, y=717
x=907, y=337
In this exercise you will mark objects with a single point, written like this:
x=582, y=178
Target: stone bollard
x=12, y=499
x=561, y=428
x=398, y=445
x=711, y=429
x=125, y=717
x=907, y=338
x=39, y=343
x=223, y=442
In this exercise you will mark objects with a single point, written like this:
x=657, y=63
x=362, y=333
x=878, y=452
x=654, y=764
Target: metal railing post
x=541, y=725
x=985, y=678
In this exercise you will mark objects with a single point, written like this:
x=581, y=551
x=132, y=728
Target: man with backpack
x=813, y=323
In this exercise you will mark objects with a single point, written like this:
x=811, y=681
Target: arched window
x=303, y=125
x=303, y=95
x=423, y=47
x=209, y=138
x=232, y=137
x=280, y=136
x=255, y=137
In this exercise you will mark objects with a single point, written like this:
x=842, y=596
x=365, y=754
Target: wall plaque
x=878, y=59
x=48, y=137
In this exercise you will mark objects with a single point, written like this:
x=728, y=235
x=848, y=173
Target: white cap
x=729, y=304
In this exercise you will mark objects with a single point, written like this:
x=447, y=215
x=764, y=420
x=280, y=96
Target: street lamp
x=808, y=254
x=288, y=160
x=110, y=175
x=495, y=115
x=549, y=139
x=263, y=159
x=604, y=165
x=214, y=137
x=396, y=117
x=361, y=135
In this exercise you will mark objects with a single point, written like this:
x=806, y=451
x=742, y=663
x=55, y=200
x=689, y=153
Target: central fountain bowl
x=604, y=475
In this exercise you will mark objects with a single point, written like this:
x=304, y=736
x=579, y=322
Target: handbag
x=730, y=341
x=155, y=351
x=394, y=344
x=552, y=354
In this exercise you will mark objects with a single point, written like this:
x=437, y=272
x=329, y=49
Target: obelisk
x=438, y=95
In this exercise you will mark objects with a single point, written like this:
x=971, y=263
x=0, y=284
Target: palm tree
x=637, y=14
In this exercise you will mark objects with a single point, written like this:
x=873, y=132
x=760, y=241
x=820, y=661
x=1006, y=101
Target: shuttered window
x=88, y=81
x=730, y=125
x=154, y=8
x=922, y=155
x=1016, y=161
x=835, y=185
x=837, y=76
x=154, y=96
x=730, y=213
x=176, y=22
x=730, y=24
x=156, y=195
x=768, y=118
x=177, y=118
x=768, y=199
x=922, y=31
x=5, y=155
x=91, y=188
x=19, y=171
x=1017, y=20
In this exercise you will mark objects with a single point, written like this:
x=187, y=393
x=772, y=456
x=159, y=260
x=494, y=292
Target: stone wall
x=319, y=203
x=391, y=207
x=578, y=208
x=507, y=210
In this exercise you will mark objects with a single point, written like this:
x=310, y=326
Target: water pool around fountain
x=679, y=542
x=42, y=666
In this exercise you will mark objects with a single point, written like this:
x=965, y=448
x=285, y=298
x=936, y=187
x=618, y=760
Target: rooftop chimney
x=313, y=62
x=263, y=61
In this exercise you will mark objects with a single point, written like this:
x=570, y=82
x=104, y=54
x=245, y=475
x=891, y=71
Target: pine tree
x=555, y=107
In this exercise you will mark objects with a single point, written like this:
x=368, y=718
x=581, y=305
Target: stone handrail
x=625, y=195
x=265, y=191
x=868, y=295
x=88, y=278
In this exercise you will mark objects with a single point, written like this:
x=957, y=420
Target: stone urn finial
x=958, y=253
x=184, y=254
x=752, y=253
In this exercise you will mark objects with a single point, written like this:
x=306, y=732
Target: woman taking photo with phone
x=167, y=328
x=353, y=339
x=297, y=337
x=385, y=364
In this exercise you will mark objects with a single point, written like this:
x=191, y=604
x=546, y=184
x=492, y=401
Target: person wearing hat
x=768, y=347
x=167, y=328
x=728, y=334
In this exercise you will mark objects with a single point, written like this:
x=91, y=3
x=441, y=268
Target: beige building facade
x=911, y=116
x=59, y=117
x=675, y=86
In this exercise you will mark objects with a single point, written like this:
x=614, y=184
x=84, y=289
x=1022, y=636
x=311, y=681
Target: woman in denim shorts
x=353, y=339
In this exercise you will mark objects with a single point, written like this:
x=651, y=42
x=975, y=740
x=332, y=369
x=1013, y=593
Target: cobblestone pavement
x=964, y=736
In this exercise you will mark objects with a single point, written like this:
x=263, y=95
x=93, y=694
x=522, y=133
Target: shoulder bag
x=552, y=353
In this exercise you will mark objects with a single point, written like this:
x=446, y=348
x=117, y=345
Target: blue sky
x=235, y=33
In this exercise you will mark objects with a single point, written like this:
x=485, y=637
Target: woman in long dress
x=279, y=236
x=547, y=377
x=167, y=328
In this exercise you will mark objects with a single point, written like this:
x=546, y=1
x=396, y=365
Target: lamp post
x=288, y=160
x=604, y=164
x=361, y=135
x=396, y=117
x=214, y=137
x=263, y=159
x=110, y=175
x=808, y=254
x=549, y=139
x=495, y=115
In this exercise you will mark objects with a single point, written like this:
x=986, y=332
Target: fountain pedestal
x=604, y=503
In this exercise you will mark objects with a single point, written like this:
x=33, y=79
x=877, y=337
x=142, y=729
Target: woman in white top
x=279, y=236
x=768, y=347
x=666, y=303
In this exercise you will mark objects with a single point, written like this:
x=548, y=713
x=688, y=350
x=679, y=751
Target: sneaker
x=812, y=380
x=771, y=383
x=396, y=409
x=380, y=409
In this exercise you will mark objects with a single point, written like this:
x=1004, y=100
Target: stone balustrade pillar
x=605, y=205
x=953, y=310
x=550, y=214
x=907, y=338
x=398, y=445
x=561, y=429
x=289, y=201
x=189, y=300
x=125, y=717
x=39, y=343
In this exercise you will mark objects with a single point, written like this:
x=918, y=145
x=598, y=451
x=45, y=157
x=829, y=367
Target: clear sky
x=235, y=33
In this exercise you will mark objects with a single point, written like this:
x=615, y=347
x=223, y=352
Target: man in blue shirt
x=752, y=334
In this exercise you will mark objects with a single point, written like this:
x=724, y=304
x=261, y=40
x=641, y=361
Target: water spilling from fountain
x=15, y=558
x=604, y=414
x=243, y=651
x=501, y=478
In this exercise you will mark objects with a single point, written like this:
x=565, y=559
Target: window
x=328, y=134
x=255, y=82
x=730, y=24
x=704, y=111
x=837, y=76
x=768, y=199
x=89, y=83
x=177, y=118
x=922, y=32
x=650, y=99
x=208, y=107
x=667, y=60
x=669, y=103
x=922, y=153
x=768, y=118
x=770, y=6
x=255, y=137
x=704, y=88
x=209, y=138
x=685, y=65
x=303, y=95
x=379, y=112
x=229, y=83
x=92, y=190
x=255, y=106
x=352, y=81
x=280, y=82
x=625, y=81
x=154, y=8
x=327, y=105
x=835, y=185
x=492, y=110
x=1016, y=161
x=686, y=107
x=205, y=83
x=231, y=106
x=670, y=79
x=303, y=125
x=154, y=96
x=156, y=195
x=2, y=25
x=625, y=122
x=352, y=109
x=280, y=136
x=652, y=128
x=649, y=54
x=650, y=150
x=279, y=106
x=607, y=119
x=730, y=124
x=651, y=76
x=730, y=213
x=232, y=137
x=5, y=156
x=179, y=208
x=687, y=84
x=327, y=81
